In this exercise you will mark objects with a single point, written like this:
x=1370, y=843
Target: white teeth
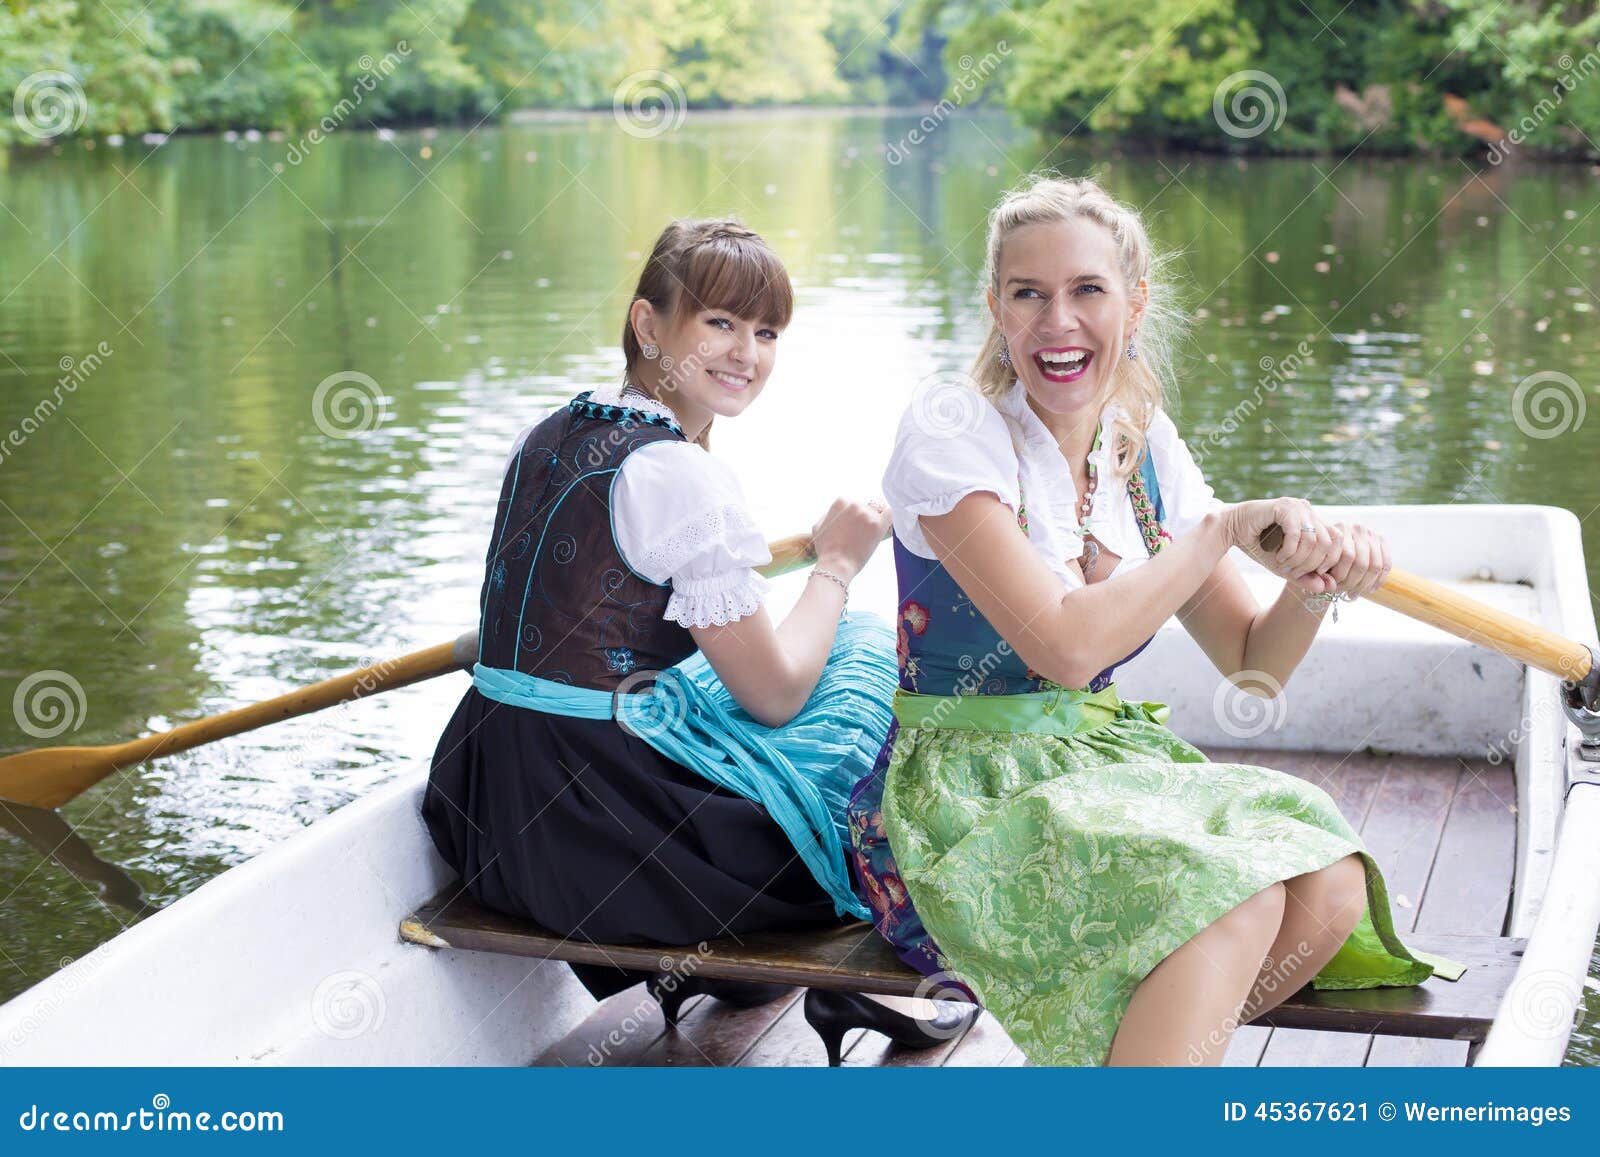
x=730, y=379
x=1073, y=358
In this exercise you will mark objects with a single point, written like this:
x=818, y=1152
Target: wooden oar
x=1466, y=618
x=50, y=776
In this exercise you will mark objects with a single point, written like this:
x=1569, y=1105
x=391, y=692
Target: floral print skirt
x=1043, y=853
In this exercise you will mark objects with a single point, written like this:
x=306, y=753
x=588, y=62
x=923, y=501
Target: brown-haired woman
x=602, y=778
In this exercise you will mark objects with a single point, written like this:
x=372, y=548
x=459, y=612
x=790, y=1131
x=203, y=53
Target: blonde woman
x=1026, y=835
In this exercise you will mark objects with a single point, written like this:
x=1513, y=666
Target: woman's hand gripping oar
x=48, y=777
x=1466, y=618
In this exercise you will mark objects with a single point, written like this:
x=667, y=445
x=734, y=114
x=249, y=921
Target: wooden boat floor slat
x=1441, y=823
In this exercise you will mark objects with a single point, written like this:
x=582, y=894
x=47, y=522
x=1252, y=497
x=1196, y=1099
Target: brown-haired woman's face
x=1063, y=309
x=719, y=360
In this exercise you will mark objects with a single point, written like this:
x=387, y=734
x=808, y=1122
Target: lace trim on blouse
x=717, y=601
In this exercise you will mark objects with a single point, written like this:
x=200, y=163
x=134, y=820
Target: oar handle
x=789, y=554
x=1467, y=618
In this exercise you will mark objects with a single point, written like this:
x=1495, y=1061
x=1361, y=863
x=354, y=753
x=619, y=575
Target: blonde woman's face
x=1063, y=309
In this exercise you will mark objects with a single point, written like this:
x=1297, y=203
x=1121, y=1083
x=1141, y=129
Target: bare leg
x=1184, y=1011
x=1321, y=909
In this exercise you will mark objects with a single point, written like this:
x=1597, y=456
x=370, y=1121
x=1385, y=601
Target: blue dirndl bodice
x=946, y=646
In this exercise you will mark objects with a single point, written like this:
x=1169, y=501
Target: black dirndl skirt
x=591, y=833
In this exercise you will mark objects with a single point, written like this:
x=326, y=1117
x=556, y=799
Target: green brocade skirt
x=1059, y=845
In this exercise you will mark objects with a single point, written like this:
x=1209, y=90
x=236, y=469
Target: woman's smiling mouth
x=1063, y=363
x=730, y=381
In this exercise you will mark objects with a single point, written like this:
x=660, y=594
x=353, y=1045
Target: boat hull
x=294, y=957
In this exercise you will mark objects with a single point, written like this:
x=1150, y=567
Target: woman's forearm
x=1280, y=635
x=1102, y=622
x=806, y=638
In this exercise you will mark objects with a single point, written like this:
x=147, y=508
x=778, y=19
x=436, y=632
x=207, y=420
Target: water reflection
x=50, y=836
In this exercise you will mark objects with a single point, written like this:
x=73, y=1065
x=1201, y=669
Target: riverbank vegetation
x=1510, y=77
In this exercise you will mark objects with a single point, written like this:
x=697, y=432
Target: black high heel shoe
x=833, y=1014
x=738, y=993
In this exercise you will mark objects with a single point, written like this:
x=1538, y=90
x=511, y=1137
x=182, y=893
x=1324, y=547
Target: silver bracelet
x=1334, y=597
x=844, y=586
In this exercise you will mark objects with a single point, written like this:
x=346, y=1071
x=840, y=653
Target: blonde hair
x=716, y=264
x=1139, y=385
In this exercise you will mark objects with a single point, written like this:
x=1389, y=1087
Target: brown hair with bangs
x=717, y=264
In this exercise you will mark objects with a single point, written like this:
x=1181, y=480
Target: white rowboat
x=295, y=957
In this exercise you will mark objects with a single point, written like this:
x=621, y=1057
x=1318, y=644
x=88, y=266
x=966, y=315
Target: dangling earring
x=651, y=350
x=1005, y=352
x=1132, y=354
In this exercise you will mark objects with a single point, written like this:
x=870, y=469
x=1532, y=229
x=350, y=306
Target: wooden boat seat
x=854, y=958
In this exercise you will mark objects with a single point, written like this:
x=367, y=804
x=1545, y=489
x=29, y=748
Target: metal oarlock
x=1581, y=701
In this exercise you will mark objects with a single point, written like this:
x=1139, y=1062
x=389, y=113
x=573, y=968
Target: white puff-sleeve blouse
x=934, y=467
x=680, y=517
x=1005, y=450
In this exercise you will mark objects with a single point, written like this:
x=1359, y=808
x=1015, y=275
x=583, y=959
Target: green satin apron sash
x=1061, y=711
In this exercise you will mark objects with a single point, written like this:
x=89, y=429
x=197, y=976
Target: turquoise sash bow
x=802, y=772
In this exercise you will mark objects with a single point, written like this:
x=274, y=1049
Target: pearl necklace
x=1091, y=549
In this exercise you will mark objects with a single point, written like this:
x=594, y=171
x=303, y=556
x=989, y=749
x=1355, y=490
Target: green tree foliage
x=273, y=64
x=878, y=63
x=113, y=52
x=751, y=51
x=234, y=65
x=1400, y=75
x=1396, y=75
